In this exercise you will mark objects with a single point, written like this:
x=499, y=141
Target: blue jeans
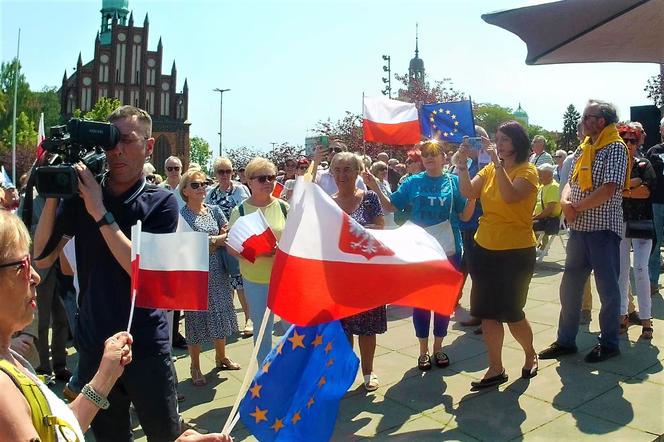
x=148, y=384
x=598, y=251
x=655, y=261
x=422, y=318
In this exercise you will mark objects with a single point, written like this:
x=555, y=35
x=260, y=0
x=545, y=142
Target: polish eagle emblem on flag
x=357, y=240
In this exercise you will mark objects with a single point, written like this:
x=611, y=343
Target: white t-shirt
x=326, y=182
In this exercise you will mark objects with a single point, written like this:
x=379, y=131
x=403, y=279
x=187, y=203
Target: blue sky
x=291, y=63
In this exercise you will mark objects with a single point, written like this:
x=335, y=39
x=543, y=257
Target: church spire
x=416, y=66
x=417, y=51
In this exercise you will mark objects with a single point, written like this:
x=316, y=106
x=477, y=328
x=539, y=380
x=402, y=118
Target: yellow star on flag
x=266, y=367
x=278, y=425
x=296, y=417
x=328, y=347
x=297, y=340
x=256, y=391
x=322, y=381
x=330, y=362
x=310, y=402
x=318, y=341
x=259, y=415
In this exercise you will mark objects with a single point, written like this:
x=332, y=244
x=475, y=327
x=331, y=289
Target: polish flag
x=278, y=188
x=170, y=270
x=41, y=136
x=328, y=267
x=251, y=236
x=390, y=121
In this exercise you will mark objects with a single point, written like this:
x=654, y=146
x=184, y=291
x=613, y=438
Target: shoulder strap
x=240, y=209
x=284, y=211
x=42, y=419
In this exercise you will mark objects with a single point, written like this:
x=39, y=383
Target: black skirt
x=500, y=282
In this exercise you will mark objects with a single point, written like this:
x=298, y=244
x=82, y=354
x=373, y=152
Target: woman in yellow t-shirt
x=503, y=259
x=261, y=175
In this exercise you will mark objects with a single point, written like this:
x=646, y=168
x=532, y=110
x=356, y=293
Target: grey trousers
x=51, y=310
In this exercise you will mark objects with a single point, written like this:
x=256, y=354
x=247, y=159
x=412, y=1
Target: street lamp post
x=387, y=80
x=221, y=108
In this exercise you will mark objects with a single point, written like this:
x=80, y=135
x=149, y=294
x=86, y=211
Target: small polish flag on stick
x=390, y=121
x=251, y=236
x=278, y=188
x=169, y=270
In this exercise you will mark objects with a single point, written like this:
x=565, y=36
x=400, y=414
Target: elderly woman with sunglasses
x=436, y=203
x=220, y=320
x=261, y=175
x=639, y=230
x=227, y=194
x=18, y=281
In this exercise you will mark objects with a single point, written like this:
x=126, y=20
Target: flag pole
x=364, y=147
x=248, y=376
x=135, y=272
x=18, y=46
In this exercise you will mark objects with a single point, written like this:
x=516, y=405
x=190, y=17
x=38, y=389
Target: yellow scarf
x=583, y=168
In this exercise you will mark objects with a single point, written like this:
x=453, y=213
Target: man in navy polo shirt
x=101, y=221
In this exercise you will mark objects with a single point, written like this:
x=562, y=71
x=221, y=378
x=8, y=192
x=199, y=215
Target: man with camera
x=100, y=218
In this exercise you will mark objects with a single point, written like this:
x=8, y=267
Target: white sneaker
x=371, y=382
x=248, y=328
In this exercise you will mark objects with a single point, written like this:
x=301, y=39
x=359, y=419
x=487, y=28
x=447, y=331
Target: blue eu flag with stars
x=296, y=392
x=447, y=121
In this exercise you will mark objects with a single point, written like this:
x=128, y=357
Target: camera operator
x=101, y=221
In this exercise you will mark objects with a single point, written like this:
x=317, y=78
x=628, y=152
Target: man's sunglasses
x=264, y=178
x=224, y=171
x=173, y=168
x=23, y=264
x=196, y=184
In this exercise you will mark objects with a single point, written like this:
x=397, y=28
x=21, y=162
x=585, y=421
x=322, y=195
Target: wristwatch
x=97, y=399
x=106, y=220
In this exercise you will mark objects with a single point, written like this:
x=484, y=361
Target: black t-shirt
x=105, y=298
x=638, y=208
x=656, y=157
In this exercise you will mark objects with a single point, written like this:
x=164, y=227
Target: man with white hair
x=546, y=216
x=656, y=157
x=559, y=157
x=540, y=155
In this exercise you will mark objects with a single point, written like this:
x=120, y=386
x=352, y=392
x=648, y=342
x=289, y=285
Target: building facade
x=125, y=69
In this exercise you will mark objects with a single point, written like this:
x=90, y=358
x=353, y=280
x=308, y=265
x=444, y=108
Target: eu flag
x=296, y=392
x=447, y=121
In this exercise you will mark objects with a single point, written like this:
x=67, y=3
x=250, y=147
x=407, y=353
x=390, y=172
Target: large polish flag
x=170, y=270
x=327, y=266
x=390, y=121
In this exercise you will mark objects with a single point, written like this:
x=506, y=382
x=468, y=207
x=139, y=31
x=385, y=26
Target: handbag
x=640, y=229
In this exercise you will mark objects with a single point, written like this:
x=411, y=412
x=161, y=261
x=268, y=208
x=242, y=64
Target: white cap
x=548, y=167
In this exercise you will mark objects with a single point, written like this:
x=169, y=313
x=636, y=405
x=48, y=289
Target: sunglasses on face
x=264, y=178
x=196, y=184
x=631, y=141
x=150, y=178
x=23, y=265
x=173, y=168
x=224, y=171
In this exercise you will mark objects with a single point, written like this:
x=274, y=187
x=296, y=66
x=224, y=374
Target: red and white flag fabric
x=327, y=266
x=41, y=136
x=170, y=270
x=390, y=121
x=251, y=236
x=278, y=188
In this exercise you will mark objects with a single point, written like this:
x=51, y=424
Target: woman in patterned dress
x=228, y=194
x=363, y=207
x=219, y=321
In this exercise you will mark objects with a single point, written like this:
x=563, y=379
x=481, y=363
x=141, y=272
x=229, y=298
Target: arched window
x=162, y=150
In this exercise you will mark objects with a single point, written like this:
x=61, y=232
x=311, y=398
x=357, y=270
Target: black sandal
x=489, y=382
x=646, y=333
x=441, y=359
x=424, y=362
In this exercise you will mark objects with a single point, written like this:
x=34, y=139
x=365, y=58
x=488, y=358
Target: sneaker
x=248, y=329
x=585, y=317
x=370, y=382
x=599, y=354
x=555, y=351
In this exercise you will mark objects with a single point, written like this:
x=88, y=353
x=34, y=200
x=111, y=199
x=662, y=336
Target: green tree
x=655, y=89
x=241, y=155
x=422, y=93
x=47, y=101
x=568, y=140
x=284, y=151
x=200, y=152
x=100, y=111
x=26, y=135
x=490, y=116
x=550, y=137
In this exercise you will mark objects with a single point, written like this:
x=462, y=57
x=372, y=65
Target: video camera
x=78, y=140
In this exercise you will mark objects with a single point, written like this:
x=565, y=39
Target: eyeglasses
x=224, y=171
x=196, y=184
x=173, y=168
x=585, y=117
x=429, y=154
x=150, y=178
x=631, y=141
x=264, y=178
x=23, y=264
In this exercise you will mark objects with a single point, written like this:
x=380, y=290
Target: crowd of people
x=494, y=210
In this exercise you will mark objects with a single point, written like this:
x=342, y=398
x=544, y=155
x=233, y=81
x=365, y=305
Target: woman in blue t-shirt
x=435, y=203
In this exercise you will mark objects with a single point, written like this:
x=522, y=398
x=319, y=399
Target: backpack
x=44, y=422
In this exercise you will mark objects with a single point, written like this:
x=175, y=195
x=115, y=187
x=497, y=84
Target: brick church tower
x=125, y=69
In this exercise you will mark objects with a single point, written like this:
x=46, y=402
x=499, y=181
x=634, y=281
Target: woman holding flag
x=220, y=321
x=435, y=203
